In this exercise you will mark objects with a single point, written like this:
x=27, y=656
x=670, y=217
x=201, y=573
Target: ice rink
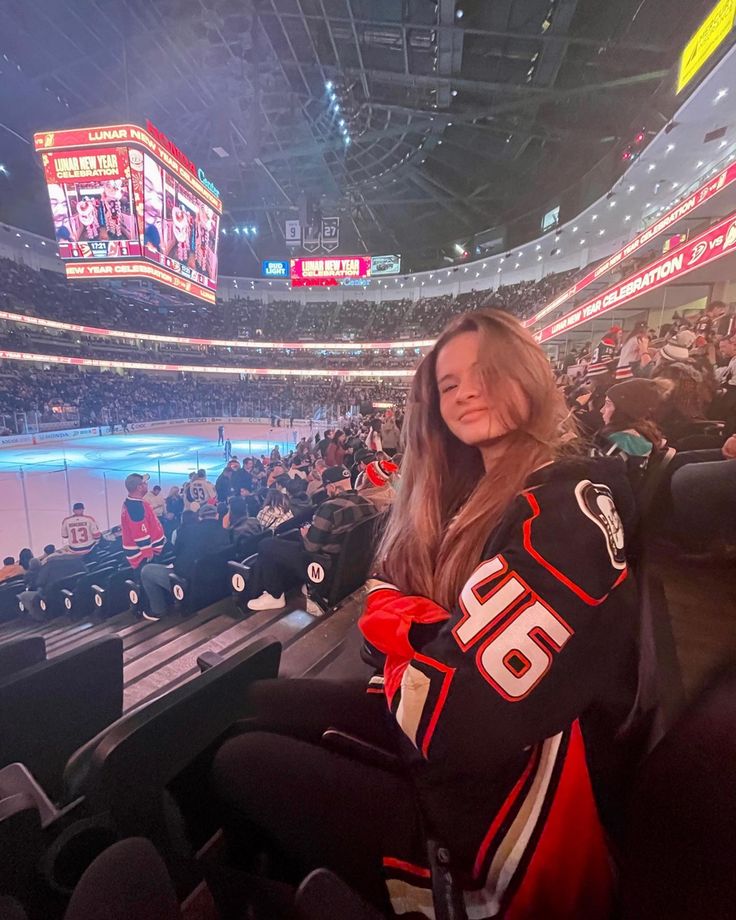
x=39, y=483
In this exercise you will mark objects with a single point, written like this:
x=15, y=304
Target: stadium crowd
x=47, y=294
x=104, y=397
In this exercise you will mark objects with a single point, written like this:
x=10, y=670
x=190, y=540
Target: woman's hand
x=729, y=448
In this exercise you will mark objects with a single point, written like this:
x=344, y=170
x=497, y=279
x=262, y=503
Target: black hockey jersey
x=491, y=705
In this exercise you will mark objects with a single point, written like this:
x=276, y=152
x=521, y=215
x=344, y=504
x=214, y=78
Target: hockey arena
x=367, y=459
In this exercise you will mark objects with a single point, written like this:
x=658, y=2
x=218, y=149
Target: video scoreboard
x=331, y=271
x=127, y=203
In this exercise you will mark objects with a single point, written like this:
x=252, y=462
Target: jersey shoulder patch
x=596, y=502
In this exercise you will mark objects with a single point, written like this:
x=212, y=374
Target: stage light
x=594, y=217
x=639, y=137
x=254, y=230
x=453, y=92
x=342, y=122
x=236, y=230
x=3, y=169
x=347, y=141
x=329, y=86
x=337, y=107
x=333, y=96
x=224, y=232
x=720, y=94
x=459, y=14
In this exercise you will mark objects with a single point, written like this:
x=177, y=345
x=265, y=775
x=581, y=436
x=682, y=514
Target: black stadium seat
x=121, y=592
x=79, y=599
x=331, y=579
x=18, y=654
x=207, y=582
x=124, y=771
x=50, y=709
x=9, y=591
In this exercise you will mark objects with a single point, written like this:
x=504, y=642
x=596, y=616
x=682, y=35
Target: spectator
x=377, y=484
x=199, y=491
x=80, y=531
x=224, y=483
x=143, y=535
x=390, y=435
x=473, y=693
x=281, y=564
x=628, y=416
x=174, y=508
x=55, y=567
x=203, y=536
x=276, y=509
x=11, y=569
x=336, y=450
x=362, y=458
x=156, y=500
x=373, y=441
x=314, y=483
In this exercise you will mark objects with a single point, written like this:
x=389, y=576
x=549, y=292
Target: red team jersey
x=143, y=535
x=81, y=532
x=492, y=700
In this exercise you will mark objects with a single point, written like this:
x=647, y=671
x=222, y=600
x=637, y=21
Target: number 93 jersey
x=490, y=701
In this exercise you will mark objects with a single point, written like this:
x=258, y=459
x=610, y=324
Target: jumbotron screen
x=127, y=203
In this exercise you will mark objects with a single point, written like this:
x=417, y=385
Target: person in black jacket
x=508, y=617
x=200, y=539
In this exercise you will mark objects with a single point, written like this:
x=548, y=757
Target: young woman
x=634, y=352
x=276, y=509
x=628, y=417
x=508, y=624
x=335, y=453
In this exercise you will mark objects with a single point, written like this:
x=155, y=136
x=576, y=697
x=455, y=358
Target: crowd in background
x=103, y=397
x=48, y=294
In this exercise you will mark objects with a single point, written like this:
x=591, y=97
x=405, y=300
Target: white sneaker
x=313, y=609
x=149, y=616
x=267, y=602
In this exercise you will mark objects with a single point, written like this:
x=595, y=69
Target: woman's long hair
x=447, y=505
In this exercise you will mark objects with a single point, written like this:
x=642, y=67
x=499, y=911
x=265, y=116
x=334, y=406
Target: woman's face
x=607, y=411
x=465, y=407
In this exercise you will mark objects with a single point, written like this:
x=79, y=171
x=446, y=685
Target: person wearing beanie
x=377, y=484
x=602, y=360
x=677, y=347
x=628, y=416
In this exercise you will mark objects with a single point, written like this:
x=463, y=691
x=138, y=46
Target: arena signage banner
x=328, y=271
x=709, y=246
x=133, y=268
x=707, y=191
x=275, y=268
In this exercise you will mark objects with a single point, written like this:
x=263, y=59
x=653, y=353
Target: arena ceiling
x=461, y=114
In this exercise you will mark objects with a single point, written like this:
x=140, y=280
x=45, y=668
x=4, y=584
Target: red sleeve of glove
x=389, y=615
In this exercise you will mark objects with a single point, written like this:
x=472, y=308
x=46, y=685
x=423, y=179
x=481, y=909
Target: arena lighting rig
x=127, y=203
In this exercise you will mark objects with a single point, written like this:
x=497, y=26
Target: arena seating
x=19, y=654
x=329, y=581
x=207, y=582
x=66, y=700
